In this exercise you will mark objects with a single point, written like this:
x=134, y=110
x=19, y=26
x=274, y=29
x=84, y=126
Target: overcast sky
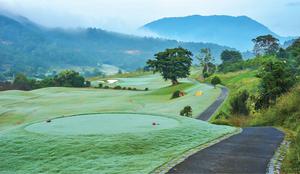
x=281, y=16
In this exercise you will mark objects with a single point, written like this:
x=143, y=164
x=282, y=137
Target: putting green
x=103, y=124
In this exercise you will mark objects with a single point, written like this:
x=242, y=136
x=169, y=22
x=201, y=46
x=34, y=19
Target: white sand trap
x=103, y=124
x=112, y=81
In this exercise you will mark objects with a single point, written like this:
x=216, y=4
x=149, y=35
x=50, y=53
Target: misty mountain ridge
x=236, y=32
x=30, y=48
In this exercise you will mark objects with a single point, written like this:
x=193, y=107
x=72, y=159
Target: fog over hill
x=29, y=47
x=232, y=31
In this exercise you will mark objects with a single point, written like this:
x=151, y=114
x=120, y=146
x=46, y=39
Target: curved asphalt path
x=205, y=116
x=246, y=153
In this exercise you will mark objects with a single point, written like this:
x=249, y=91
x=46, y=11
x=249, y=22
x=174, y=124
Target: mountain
x=30, y=48
x=288, y=43
x=236, y=32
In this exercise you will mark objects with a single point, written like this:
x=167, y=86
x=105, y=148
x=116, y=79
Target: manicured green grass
x=18, y=107
x=27, y=152
x=128, y=152
x=141, y=79
x=95, y=124
x=170, y=89
x=152, y=81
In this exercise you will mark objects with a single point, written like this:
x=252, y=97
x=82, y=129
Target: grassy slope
x=26, y=152
x=18, y=107
x=141, y=79
x=285, y=114
x=235, y=82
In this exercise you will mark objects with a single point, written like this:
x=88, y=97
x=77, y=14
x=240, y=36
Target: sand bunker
x=103, y=124
x=112, y=81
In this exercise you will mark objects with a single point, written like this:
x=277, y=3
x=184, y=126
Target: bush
x=215, y=81
x=47, y=82
x=146, y=89
x=117, y=87
x=100, y=85
x=231, y=66
x=106, y=87
x=134, y=89
x=277, y=78
x=124, y=88
x=177, y=94
x=205, y=75
x=69, y=78
x=186, y=111
x=239, y=103
x=129, y=88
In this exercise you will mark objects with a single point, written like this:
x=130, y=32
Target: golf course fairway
x=103, y=124
x=88, y=130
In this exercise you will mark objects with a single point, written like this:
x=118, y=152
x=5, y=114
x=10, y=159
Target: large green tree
x=69, y=78
x=231, y=61
x=293, y=51
x=276, y=79
x=265, y=45
x=231, y=56
x=172, y=64
x=206, y=61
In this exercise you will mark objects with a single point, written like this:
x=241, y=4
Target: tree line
x=277, y=68
x=67, y=78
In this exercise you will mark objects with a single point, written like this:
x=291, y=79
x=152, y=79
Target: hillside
x=232, y=31
x=30, y=48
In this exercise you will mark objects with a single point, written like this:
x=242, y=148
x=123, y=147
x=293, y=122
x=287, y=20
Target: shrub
x=106, y=87
x=239, y=103
x=124, y=88
x=186, y=111
x=146, y=89
x=215, y=81
x=100, y=85
x=117, y=87
x=277, y=78
x=69, y=78
x=134, y=89
x=129, y=88
x=231, y=66
x=205, y=75
x=177, y=94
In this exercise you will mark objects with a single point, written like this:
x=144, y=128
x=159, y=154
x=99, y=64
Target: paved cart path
x=247, y=152
x=206, y=114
